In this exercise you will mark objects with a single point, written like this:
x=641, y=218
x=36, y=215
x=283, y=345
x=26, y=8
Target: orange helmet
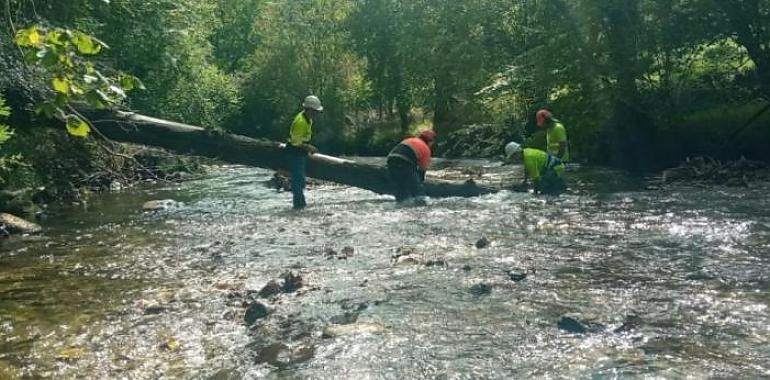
x=542, y=116
x=427, y=135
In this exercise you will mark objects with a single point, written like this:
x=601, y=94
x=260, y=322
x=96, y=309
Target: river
x=671, y=282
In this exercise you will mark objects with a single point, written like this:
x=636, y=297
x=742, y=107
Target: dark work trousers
x=298, y=162
x=405, y=179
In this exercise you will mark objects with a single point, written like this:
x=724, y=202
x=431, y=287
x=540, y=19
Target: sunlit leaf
x=5, y=111
x=5, y=133
x=85, y=44
x=127, y=82
x=29, y=37
x=77, y=126
x=56, y=37
x=61, y=85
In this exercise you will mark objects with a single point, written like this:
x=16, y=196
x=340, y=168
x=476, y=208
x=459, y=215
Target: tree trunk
x=187, y=139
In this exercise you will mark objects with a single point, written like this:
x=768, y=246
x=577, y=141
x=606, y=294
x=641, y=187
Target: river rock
x=170, y=344
x=481, y=289
x=13, y=224
x=270, y=289
x=482, y=243
x=632, y=322
x=348, y=251
x=517, y=275
x=256, y=310
x=292, y=282
x=408, y=260
x=358, y=328
x=281, y=355
x=345, y=318
x=435, y=263
x=572, y=325
x=159, y=205
x=71, y=354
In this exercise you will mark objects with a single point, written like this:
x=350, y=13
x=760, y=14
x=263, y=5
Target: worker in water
x=299, y=147
x=544, y=171
x=555, y=135
x=407, y=164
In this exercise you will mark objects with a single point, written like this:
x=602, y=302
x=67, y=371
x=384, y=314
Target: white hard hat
x=512, y=148
x=313, y=103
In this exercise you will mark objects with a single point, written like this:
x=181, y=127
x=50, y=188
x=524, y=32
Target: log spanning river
x=617, y=279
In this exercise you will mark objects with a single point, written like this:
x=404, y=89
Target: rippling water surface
x=672, y=283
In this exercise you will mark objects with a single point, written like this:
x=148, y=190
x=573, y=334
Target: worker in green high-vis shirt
x=299, y=147
x=555, y=135
x=541, y=169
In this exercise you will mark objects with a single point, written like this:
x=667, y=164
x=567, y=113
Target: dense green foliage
x=638, y=83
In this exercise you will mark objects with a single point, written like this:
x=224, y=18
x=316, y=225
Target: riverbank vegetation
x=639, y=84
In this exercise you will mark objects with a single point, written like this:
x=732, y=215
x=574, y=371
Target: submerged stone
x=345, y=319
x=256, y=310
x=435, y=263
x=12, y=224
x=282, y=356
x=482, y=243
x=572, y=325
x=517, y=275
x=348, y=251
x=631, y=323
x=159, y=205
x=357, y=328
x=270, y=289
x=481, y=289
x=71, y=354
x=292, y=282
x=407, y=260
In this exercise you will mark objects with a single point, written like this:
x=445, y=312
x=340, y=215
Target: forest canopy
x=638, y=83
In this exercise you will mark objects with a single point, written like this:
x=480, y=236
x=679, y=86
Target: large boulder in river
x=11, y=224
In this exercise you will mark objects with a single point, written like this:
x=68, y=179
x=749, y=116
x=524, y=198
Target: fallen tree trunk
x=186, y=139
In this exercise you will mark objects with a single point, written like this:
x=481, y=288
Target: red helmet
x=427, y=135
x=542, y=116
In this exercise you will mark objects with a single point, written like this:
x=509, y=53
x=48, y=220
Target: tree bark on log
x=187, y=139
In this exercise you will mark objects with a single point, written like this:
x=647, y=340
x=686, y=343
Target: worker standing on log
x=299, y=147
x=555, y=135
x=543, y=170
x=407, y=164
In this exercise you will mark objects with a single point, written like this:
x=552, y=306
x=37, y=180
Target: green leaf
x=48, y=57
x=60, y=85
x=86, y=44
x=77, y=126
x=98, y=99
x=56, y=37
x=5, y=111
x=29, y=37
x=47, y=109
x=5, y=133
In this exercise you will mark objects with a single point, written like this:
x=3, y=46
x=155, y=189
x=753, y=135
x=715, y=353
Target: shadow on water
x=671, y=282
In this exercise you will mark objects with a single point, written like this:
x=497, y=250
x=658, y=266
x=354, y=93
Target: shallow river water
x=670, y=282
